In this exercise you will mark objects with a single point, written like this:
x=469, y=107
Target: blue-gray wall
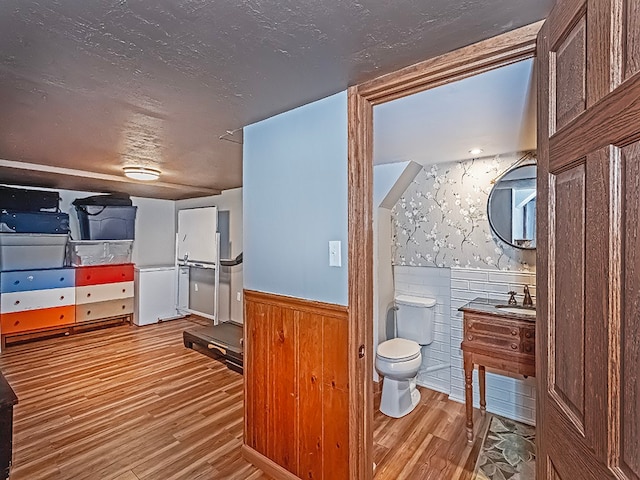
x=295, y=202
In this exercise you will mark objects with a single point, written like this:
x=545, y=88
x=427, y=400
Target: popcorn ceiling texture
x=441, y=219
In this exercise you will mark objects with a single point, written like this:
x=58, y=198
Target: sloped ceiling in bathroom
x=87, y=87
x=494, y=111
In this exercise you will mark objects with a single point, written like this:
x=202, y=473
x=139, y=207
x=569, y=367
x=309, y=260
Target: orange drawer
x=36, y=319
x=100, y=274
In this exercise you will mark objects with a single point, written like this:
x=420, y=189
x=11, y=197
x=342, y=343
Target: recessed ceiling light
x=141, y=173
x=476, y=151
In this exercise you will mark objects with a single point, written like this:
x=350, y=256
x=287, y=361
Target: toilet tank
x=415, y=318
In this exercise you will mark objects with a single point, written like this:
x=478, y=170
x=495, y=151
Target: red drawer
x=37, y=319
x=100, y=274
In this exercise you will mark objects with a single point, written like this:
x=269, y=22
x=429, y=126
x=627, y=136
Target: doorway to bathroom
x=503, y=51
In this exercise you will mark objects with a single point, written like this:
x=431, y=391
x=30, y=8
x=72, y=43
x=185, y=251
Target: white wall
x=295, y=202
x=231, y=277
x=389, y=182
x=155, y=227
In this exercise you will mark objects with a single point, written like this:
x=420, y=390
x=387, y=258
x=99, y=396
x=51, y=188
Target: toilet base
x=399, y=397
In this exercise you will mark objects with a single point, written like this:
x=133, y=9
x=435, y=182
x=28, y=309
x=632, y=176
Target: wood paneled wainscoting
x=296, y=387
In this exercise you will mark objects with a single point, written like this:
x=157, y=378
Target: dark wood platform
x=222, y=341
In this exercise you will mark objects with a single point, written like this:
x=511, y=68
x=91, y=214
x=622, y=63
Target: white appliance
x=155, y=294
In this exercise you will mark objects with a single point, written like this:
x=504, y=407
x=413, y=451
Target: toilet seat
x=398, y=349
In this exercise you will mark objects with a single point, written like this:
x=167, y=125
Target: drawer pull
x=527, y=334
x=514, y=331
x=17, y=302
x=514, y=346
x=469, y=337
x=89, y=294
x=124, y=306
x=61, y=297
x=62, y=279
x=61, y=317
x=88, y=277
x=30, y=278
x=88, y=312
x=17, y=282
x=124, y=290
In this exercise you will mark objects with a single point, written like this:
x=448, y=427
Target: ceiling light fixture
x=144, y=174
x=476, y=151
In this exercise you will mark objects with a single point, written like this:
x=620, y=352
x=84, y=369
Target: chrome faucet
x=527, y=302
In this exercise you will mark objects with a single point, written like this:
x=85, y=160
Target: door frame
x=499, y=51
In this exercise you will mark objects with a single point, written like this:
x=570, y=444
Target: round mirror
x=511, y=207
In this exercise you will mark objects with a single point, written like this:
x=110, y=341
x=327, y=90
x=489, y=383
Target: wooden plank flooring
x=127, y=403
x=131, y=403
x=428, y=444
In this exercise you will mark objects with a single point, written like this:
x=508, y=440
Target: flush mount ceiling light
x=141, y=173
x=476, y=151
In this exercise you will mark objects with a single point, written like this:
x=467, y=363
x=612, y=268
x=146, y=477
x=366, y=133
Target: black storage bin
x=23, y=200
x=34, y=222
x=106, y=222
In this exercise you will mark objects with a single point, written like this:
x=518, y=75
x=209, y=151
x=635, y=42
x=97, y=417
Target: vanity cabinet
x=496, y=339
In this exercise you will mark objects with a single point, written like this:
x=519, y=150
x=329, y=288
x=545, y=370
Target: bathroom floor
x=429, y=443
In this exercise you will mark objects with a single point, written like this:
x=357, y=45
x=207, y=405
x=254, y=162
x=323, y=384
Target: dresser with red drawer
x=40, y=302
x=104, y=291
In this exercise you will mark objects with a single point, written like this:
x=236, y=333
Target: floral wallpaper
x=441, y=219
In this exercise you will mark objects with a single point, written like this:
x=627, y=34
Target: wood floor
x=132, y=403
x=428, y=444
x=127, y=403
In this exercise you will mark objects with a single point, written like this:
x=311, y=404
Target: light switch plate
x=335, y=253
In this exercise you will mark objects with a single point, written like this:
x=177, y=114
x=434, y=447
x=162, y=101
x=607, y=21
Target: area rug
x=508, y=452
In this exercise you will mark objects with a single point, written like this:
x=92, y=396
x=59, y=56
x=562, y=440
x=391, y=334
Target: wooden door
x=588, y=248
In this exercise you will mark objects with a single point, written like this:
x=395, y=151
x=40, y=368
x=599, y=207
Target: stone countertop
x=7, y=395
x=488, y=307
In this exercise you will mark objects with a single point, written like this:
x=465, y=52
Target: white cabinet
x=155, y=294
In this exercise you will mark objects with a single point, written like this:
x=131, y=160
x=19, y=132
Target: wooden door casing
x=588, y=213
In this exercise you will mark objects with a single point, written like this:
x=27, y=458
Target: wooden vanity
x=497, y=339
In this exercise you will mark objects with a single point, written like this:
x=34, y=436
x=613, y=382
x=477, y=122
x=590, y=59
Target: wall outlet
x=239, y=296
x=195, y=287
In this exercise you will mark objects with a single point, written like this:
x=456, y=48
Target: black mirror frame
x=494, y=230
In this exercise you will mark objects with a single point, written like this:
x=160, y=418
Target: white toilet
x=398, y=360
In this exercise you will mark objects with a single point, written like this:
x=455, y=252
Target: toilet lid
x=399, y=349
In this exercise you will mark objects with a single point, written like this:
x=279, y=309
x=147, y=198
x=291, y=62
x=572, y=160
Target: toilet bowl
x=398, y=361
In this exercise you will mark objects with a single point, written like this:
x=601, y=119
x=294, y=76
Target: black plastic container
x=106, y=222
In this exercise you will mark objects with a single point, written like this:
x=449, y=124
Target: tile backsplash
x=511, y=396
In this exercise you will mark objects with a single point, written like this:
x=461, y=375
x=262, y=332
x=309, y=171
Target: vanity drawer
x=37, y=299
x=484, y=326
x=110, y=308
x=499, y=334
x=101, y=274
x=101, y=293
x=26, y=280
x=500, y=343
x=36, y=319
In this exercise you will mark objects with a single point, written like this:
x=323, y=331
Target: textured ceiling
x=89, y=86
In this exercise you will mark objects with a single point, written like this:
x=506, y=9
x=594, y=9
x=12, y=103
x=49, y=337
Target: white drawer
x=36, y=299
x=104, y=292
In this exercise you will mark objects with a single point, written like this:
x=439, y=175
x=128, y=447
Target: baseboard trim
x=267, y=465
x=377, y=387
